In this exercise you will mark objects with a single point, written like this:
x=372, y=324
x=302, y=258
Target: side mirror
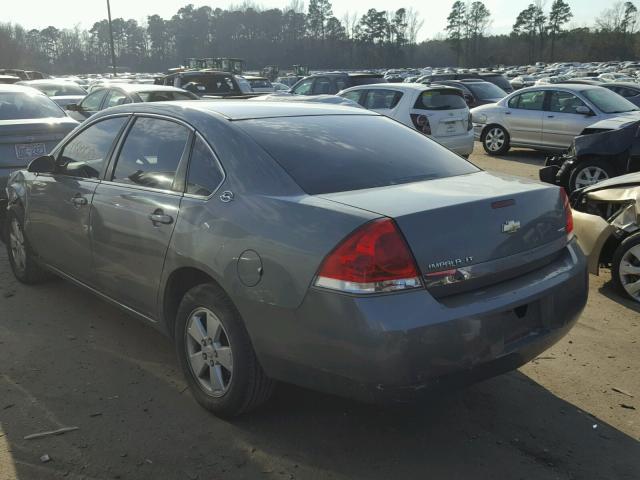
x=582, y=110
x=72, y=107
x=44, y=164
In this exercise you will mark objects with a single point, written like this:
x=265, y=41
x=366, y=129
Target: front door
x=561, y=123
x=523, y=118
x=135, y=212
x=59, y=208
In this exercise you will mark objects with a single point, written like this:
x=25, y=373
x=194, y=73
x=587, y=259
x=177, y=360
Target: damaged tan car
x=607, y=224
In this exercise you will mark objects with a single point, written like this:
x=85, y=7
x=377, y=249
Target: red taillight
x=375, y=258
x=421, y=122
x=567, y=212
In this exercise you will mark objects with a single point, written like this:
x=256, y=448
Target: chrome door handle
x=159, y=217
x=79, y=201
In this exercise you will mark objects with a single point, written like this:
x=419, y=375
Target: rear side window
x=205, y=174
x=85, y=154
x=353, y=95
x=336, y=153
x=151, y=153
x=322, y=86
x=440, y=100
x=380, y=99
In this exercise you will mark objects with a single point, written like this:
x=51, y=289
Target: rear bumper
x=392, y=348
x=461, y=144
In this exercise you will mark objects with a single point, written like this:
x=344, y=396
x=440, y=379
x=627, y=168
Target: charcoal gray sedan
x=322, y=245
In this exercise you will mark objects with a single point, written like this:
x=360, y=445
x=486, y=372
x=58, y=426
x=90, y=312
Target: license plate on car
x=29, y=151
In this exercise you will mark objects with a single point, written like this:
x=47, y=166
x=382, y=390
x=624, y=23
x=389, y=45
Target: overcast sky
x=68, y=13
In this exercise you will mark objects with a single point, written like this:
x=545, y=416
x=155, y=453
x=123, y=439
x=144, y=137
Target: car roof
x=47, y=81
x=8, y=88
x=253, y=77
x=565, y=86
x=622, y=84
x=241, y=109
x=404, y=87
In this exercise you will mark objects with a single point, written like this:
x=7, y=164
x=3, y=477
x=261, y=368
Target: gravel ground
x=69, y=359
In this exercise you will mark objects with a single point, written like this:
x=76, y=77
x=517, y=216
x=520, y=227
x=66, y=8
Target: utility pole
x=113, y=52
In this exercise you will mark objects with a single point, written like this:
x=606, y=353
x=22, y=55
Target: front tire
x=495, y=140
x=216, y=355
x=589, y=172
x=625, y=267
x=22, y=258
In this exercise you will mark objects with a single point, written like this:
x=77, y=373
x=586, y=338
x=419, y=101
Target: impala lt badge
x=511, y=226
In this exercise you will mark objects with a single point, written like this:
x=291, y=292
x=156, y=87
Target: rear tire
x=22, y=258
x=495, y=140
x=588, y=173
x=625, y=268
x=216, y=356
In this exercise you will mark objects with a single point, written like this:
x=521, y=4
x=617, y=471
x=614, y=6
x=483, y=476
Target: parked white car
x=439, y=112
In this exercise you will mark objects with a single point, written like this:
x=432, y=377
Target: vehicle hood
x=611, y=142
x=616, y=122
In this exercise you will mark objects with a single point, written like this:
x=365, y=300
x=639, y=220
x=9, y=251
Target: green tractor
x=301, y=70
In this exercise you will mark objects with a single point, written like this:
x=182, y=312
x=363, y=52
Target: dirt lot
x=68, y=359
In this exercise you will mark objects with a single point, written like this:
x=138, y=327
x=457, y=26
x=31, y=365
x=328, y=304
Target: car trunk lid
x=467, y=220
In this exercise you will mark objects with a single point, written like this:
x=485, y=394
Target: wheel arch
x=178, y=283
x=491, y=125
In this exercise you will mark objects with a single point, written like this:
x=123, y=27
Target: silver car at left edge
x=322, y=245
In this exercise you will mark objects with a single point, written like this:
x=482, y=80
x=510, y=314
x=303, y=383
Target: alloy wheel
x=494, y=139
x=16, y=243
x=209, y=352
x=629, y=272
x=590, y=175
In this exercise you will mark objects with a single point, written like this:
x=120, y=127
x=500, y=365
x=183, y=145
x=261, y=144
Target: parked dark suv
x=332, y=83
x=476, y=91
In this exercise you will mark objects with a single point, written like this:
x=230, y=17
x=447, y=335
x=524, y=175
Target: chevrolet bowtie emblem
x=510, y=226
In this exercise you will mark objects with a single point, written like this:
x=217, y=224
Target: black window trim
x=179, y=183
x=195, y=136
x=89, y=123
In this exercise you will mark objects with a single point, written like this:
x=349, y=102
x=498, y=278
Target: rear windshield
x=486, y=90
x=20, y=106
x=338, y=153
x=160, y=96
x=441, y=100
x=58, y=89
x=363, y=80
x=607, y=101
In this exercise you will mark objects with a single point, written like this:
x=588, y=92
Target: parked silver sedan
x=546, y=117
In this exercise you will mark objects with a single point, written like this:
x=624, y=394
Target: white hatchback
x=440, y=112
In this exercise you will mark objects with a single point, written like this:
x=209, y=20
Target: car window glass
x=151, y=153
x=85, y=155
x=322, y=86
x=164, y=96
x=341, y=83
x=448, y=99
x=204, y=175
x=354, y=95
x=116, y=98
x=20, y=106
x=529, y=100
x=304, y=88
x=92, y=102
x=382, y=99
x=564, y=102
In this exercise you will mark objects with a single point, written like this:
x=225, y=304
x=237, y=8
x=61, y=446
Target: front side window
x=151, y=153
x=116, y=98
x=564, y=102
x=353, y=95
x=205, y=174
x=322, y=86
x=304, y=88
x=93, y=101
x=382, y=99
x=85, y=155
x=533, y=100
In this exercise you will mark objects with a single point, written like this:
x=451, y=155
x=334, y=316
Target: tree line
x=315, y=36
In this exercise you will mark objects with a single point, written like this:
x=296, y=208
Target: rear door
x=59, y=207
x=135, y=210
x=523, y=117
x=561, y=123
